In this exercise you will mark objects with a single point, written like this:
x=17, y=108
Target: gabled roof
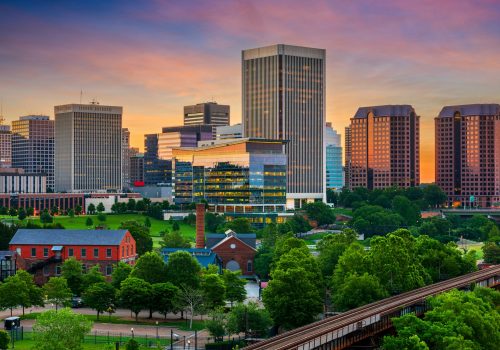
x=228, y=238
x=68, y=237
x=214, y=238
x=204, y=256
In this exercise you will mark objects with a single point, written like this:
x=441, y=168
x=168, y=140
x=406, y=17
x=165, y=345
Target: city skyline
x=156, y=57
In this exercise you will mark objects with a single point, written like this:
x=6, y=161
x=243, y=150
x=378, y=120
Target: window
x=71, y=252
x=84, y=252
x=96, y=252
x=123, y=251
x=33, y=251
x=249, y=266
x=109, y=270
x=108, y=253
x=127, y=250
x=45, y=252
x=58, y=270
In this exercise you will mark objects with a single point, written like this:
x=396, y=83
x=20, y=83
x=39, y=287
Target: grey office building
x=284, y=98
x=5, y=146
x=88, y=148
x=33, y=146
x=206, y=113
x=126, y=153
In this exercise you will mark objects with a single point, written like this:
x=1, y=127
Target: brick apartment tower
x=200, y=225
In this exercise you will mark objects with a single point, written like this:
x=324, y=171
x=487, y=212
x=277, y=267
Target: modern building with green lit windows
x=238, y=178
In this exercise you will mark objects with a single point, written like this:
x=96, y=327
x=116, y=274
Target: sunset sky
x=154, y=57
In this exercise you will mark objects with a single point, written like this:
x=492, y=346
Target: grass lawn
x=474, y=246
x=180, y=324
x=113, y=221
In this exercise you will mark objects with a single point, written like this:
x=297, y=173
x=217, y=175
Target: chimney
x=200, y=225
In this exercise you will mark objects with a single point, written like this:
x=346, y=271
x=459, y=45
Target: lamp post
x=189, y=344
x=156, y=329
x=132, y=331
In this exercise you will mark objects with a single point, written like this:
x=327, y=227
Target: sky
x=154, y=57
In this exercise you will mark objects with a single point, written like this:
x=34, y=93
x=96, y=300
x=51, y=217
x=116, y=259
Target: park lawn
x=29, y=344
x=113, y=221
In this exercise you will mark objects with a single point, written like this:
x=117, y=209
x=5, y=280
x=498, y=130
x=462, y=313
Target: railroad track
x=294, y=338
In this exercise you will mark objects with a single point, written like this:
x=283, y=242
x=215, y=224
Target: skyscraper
x=284, y=99
x=468, y=154
x=88, y=148
x=333, y=164
x=156, y=170
x=126, y=158
x=208, y=113
x=5, y=146
x=348, y=153
x=182, y=136
x=33, y=146
x=385, y=147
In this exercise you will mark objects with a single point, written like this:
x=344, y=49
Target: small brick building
x=42, y=251
x=237, y=251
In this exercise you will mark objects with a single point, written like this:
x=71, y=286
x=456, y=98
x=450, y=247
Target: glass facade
x=334, y=171
x=240, y=177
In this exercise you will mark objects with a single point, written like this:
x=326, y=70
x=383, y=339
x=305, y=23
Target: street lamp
x=189, y=344
x=156, y=329
x=132, y=331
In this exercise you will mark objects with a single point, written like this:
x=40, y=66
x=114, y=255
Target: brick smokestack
x=200, y=225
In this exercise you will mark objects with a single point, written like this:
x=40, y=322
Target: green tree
x=491, y=251
x=13, y=293
x=190, y=300
x=72, y=272
x=131, y=204
x=30, y=211
x=298, y=224
x=135, y=294
x=54, y=210
x=357, y=291
x=100, y=297
x=408, y=210
x=212, y=221
x=45, y=217
x=132, y=344
x=147, y=222
x=63, y=330
x=89, y=222
x=151, y=268
x=374, y=220
x=78, y=209
x=93, y=276
x=4, y=340
x=71, y=213
x=434, y=196
x=175, y=226
x=101, y=217
x=21, y=215
x=246, y=317
x=183, y=269
x=239, y=225
x=165, y=297
x=293, y=297
x=234, y=285
x=174, y=239
x=57, y=291
x=331, y=247
x=457, y=320
x=35, y=293
x=141, y=235
x=320, y=212
x=216, y=324
x=100, y=207
x=120, y=273
x=352, y=261
x=214, y=291
x=91, y=209
x=12, y=211
x=6, y=234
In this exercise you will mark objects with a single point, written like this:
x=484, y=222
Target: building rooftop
x=385, y=111
x=472, y=109
x=212, y=239
x=68, y=237
x=223, y=143
x=204, y=256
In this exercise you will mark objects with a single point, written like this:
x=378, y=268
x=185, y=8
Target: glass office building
x=334, y=171
x=245, y=177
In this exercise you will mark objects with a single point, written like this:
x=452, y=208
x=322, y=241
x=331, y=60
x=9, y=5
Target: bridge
x=341, y=331
x=491, y=213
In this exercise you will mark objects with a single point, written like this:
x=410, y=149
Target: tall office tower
x=137, y=169
x=156, y=170
x=126, y=158
x=333, y=164
x=284, y=99
x=88, y=148
x=33, y=146
x=182, y=136
x=208, y=113
x=385, y=148
x=348, y=153
x=229, y=132
x=468, y=154
x=5, y=146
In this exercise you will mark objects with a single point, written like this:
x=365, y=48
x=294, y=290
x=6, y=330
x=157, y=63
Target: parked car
x=76, y=302
x=12, y=323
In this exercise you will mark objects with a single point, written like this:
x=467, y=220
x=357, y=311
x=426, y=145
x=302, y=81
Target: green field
x=113, y=221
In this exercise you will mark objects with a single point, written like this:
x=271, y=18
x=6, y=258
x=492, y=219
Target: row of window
x=108, y=270
x=71, y=252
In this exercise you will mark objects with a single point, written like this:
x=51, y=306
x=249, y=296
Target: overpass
x=341, y=331
x=491, y=213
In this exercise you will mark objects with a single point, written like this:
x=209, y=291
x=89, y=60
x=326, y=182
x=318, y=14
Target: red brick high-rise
x=468, y=154
x=384, y=147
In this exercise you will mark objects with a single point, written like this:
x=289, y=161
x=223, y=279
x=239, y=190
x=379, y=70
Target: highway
x=334, y=327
